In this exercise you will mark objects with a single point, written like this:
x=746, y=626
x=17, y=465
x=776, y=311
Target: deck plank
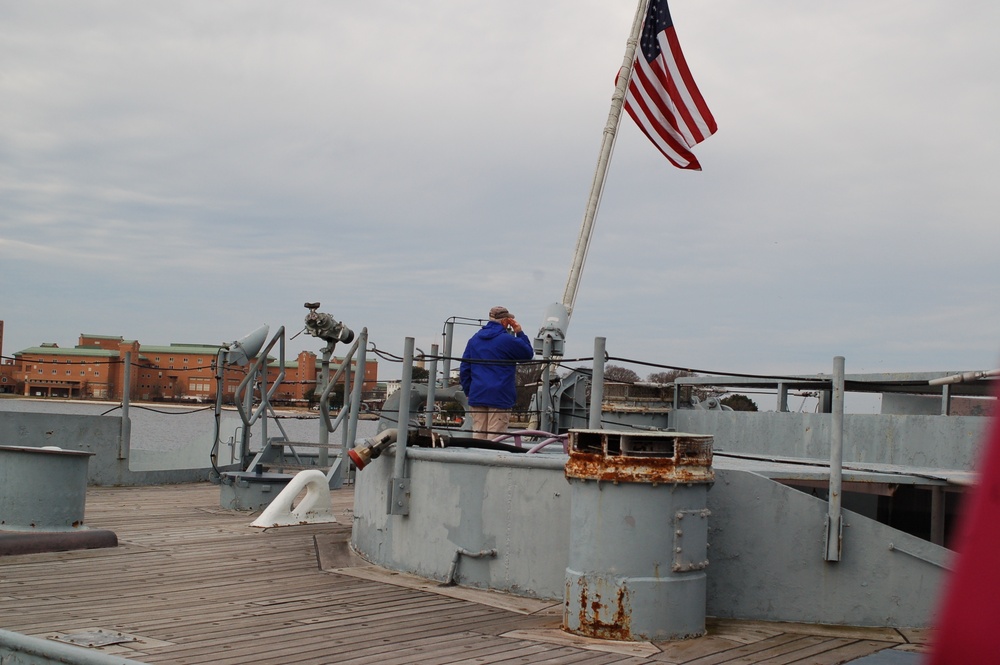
x=845, y=653
x=759, y=650
x=808, y=653
x=195, y=584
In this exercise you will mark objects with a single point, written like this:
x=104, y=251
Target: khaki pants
x=488, y=422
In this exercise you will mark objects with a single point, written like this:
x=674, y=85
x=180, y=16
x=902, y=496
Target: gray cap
x=499, y=312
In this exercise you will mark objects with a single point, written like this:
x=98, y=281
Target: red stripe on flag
x=654, y=116
x=672, y=95
x=678, y=155
x=653, y=86
x=663, y=135
x=651, y=108
x=702, y=122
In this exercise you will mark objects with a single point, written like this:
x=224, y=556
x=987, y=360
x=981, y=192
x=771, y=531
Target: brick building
x=8, y=383
x=300, y=376
x=95, y=369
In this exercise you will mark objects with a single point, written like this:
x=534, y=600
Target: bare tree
x=668, y=376
x=619, y=374
x=528, y=376
x=738, y=402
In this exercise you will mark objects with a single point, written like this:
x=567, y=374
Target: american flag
x=662, y=97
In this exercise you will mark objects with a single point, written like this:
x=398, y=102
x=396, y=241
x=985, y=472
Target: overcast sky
x=186, y=171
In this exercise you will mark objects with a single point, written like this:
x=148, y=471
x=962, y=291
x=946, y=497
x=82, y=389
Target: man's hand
x=512, y=324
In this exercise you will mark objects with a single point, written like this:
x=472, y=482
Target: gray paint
x=765, y=540
x=637, y=556
x=767, y=561
x=475, y=501
x=245, y=490
x=941, y=442
x=17, y=649
x=99, y=435
x=41, y=489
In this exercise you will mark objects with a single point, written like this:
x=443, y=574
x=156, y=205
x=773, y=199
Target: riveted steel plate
x=98, y=637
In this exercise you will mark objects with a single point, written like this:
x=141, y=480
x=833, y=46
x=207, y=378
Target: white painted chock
x=314, y=508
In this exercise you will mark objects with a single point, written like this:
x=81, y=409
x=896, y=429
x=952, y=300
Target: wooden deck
x=192, y=583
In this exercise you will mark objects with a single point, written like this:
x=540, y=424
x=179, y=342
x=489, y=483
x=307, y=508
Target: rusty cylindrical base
x=636, y=561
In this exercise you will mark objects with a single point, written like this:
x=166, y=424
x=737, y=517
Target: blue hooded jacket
x=490, y=382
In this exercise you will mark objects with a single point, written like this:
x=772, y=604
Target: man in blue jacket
x=488, y=371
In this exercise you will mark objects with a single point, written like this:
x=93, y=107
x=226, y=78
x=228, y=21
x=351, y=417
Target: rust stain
x=591, y=623
x=660, y=457
x=595, y=466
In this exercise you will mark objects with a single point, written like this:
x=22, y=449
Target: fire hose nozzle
x=372, y=447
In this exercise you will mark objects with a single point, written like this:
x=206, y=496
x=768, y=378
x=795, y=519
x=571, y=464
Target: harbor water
x=167, y=436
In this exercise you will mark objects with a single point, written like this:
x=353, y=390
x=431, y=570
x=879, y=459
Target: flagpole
x=600, y=174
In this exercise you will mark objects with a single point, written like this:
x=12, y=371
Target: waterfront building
x=301, y=374
x=8, y=383
x=95, y=369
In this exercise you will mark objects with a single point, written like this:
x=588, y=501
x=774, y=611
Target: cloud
x=189, y=171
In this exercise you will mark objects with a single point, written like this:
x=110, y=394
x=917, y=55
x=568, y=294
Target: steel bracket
x=690, y=540
x=399, y=496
